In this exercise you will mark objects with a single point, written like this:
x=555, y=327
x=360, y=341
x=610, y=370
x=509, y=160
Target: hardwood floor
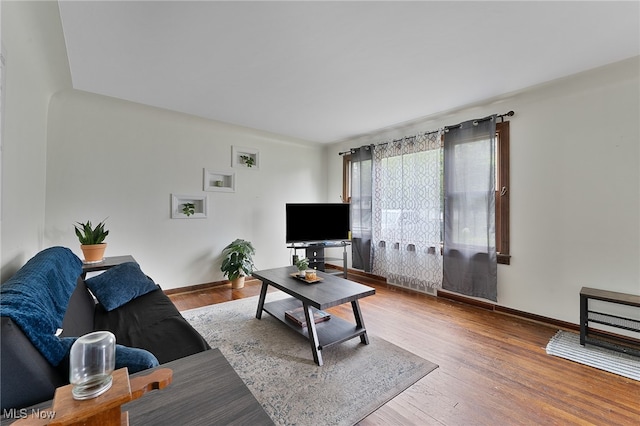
x=493, y=368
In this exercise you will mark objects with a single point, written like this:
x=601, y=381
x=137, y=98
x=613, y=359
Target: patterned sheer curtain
x=407, y=218
x=470, y=260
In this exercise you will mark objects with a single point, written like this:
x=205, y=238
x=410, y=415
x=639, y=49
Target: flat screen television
x=316, y=222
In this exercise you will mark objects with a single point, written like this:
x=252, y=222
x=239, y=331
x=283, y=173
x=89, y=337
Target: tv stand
x=314, y=251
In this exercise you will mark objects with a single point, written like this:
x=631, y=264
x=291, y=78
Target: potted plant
x=248, y=160
x=92, y=240
x=238, y=262
x=188, y=209
x=302, y=263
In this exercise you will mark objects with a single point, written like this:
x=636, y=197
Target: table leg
x=263, y=295
x=357, y=313
x=313, y=334
x=584, y=318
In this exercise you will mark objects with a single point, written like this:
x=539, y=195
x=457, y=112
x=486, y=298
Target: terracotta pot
x=238, y=282
x=93, y=253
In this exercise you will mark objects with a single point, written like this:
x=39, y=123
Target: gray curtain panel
x=361, y=208
x=470, y=261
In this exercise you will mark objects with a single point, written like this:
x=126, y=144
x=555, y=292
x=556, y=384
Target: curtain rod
x=445, y=128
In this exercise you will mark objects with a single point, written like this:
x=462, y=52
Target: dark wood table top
x=331, y=291
x=108, y=262
x=611, y=296
x=206, y=390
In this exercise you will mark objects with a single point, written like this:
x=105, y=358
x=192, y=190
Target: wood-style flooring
x=493, y=368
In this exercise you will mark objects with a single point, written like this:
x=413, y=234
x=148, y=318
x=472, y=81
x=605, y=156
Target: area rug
x=277, y=366
x=567, y=345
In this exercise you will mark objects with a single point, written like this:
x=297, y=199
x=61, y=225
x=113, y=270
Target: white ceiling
x=326, y=71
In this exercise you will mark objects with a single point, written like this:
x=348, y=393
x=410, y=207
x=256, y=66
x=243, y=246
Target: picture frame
x=218, y=181
x=179, y=204
x=243, y=157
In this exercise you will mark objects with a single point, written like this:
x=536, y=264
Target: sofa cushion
x=120, y=284
x=78, y=320
x=152, y=322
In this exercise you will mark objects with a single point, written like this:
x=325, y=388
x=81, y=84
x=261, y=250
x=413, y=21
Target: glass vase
x=91, y=364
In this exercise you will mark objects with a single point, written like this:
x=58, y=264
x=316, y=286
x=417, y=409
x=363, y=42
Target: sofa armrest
x=27, y=377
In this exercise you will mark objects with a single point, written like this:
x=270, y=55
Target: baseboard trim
x=538, y=318
x=440, y=293
x=480, y=304
x=359, y=273
x=199, y=287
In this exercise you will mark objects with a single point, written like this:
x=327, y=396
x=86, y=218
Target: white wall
x=575, y=186
x=36, y=67
x=116, y=159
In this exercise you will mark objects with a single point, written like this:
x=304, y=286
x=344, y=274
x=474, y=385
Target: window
x=502, y=189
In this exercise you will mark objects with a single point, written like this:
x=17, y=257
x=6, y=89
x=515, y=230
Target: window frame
x=502, y=193
x=346, y=178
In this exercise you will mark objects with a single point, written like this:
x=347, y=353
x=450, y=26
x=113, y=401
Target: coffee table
x=331, y=291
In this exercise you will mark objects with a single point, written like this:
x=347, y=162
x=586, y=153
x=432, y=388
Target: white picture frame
x=177, y=205
x=246, y=158
x=218, y=181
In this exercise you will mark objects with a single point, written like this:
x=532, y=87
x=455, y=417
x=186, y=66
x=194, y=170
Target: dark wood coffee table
x=331, y=291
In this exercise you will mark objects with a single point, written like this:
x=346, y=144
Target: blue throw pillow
x=134, y=359
x=120, y=284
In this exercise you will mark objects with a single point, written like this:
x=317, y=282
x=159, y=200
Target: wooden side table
x=107, y=263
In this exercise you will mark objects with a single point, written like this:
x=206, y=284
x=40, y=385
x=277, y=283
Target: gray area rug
x=277, y=366
x=567, y=345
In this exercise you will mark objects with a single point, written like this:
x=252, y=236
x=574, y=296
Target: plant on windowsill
x=92, y=240
x=302, y=264
x=238, y=262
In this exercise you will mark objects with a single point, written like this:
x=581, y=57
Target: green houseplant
x=248, y=160
x=188, y=209
x=238, y=261
x=92, y=240
x=302, y=263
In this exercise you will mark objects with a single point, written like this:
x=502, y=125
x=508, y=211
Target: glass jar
x=91, y=364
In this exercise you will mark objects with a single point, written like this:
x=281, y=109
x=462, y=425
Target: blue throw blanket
x=36, y=299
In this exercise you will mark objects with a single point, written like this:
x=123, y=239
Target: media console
x=314, y=251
